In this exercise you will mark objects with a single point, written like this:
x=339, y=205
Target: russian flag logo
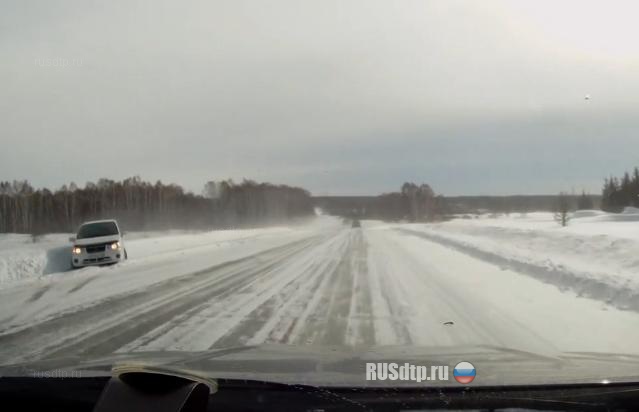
x=464, y=372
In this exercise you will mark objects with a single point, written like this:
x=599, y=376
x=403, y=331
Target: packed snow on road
x=519, y=281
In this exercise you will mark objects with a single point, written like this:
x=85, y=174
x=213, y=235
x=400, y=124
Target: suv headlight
x=76, y=250
x=115, y=246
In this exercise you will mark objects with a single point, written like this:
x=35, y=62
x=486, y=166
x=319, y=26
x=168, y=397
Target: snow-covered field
x=596, y=255
x=485, y=281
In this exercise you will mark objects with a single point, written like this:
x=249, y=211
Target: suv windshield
x=97, y=230
x=311, y=186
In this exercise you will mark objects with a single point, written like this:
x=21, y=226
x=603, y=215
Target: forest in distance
x=142, y=205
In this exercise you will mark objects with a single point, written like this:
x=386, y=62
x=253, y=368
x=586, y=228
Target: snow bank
x=629, y=210
x=21, y=259
x=587, y=213
x=596, y=256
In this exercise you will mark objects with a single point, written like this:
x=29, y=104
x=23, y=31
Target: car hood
x=346, y=366
x=96, y=240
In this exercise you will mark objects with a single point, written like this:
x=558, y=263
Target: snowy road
x=334, y=285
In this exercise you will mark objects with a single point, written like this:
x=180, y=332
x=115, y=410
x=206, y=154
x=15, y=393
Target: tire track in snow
x=386, y=300
x=82, y=284
x=126, y=315
x=324, y=321
x=343, y=314
x=137, y=325
x=39, y=293
x=422, y=305
x=298, y=321
x=207, y=324
x=136, y=296
x=360, y=328
x=437, y=298
x=274, y=320
x=335, y=309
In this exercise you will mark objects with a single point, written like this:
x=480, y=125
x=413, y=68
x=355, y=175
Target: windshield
x=97, y=230
x=448, y=184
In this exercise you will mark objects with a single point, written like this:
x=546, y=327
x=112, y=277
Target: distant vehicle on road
x=98, y=242
x=356, y=223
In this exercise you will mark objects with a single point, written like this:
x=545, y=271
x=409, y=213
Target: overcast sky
x=338, y=96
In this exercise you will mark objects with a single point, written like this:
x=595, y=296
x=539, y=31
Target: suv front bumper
x=96, y=259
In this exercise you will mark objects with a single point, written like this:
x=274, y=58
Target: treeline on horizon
x=617, y=194
x=419, y=203
x=415, y=203
x=620, y=192
x=142, y=205
x=518, y=203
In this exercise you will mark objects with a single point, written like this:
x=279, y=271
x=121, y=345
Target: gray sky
x=342, y=97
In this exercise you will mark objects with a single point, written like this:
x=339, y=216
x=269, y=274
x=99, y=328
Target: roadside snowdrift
x=596, y=255
x=22, y=259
